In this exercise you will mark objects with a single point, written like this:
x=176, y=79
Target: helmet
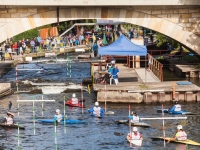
x=73, y=95
x=57, y=110
x=179, y=127
x=135, y=129
x=133, y=113
x=96, y=103
x=176, y=102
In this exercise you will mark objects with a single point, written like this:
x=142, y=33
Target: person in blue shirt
x=114, y=73
x=176, y=107
x=96, y=110
x=95, y=49
x=58, y=117
x=134, y=117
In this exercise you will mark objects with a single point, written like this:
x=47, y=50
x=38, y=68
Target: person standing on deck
x=180, y=134
x=74, y=100
x=134, y=117
x=9, y=118
x=96, y=110
x=176, y=107
x=58, y=116
x=135, y=135
x=95, y=49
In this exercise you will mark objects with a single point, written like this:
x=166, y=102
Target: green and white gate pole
x=33, y=117
x=55, y=136
x=64, y=117
x=18, y=137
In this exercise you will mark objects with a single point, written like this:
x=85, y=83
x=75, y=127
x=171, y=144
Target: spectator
x=95, y=49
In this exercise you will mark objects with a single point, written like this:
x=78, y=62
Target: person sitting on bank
x=107, y=76
x=134, y=117
x=180, y=134
x=58, y=117
x=135, y=135
x=96, y=110
x=176, y=107
x=9, y=118
x=74, y=100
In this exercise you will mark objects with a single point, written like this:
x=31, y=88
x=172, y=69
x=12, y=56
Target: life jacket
x=178, y=107
x=181, y=136
x=9, y=120
x=58, y=117
x=97, y=111
x=135, y=136
x=135, y=119
x=74, y=100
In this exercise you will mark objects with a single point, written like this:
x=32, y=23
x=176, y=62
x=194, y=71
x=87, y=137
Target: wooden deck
x=132, y=88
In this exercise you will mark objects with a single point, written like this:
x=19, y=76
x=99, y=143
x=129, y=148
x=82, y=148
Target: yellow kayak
x=189, y=142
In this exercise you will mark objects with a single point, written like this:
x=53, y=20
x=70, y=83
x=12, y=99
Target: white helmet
x=96, y=103
x=179, y=127
x=57, y=110
x=135, y=129
x=73, y=95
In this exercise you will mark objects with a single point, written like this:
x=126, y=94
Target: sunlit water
x=98, y=133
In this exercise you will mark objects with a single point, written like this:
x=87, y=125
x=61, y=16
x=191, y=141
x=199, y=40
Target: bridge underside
x=180, y=23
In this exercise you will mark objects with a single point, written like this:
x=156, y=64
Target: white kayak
x=135, y=142
x=140, y=124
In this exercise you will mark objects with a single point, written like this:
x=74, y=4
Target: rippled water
x=98, y=133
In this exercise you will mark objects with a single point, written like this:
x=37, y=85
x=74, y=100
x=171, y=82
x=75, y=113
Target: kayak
x=135, y=142
x=189, y=142
x=11, y=126
x=183, y=112
x=69, y=103
x=68, y=121
x=140, y=124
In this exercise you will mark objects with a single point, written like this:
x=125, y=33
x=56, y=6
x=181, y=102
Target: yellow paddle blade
x=183, y=123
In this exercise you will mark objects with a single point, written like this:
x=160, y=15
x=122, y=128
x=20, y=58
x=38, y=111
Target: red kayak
x=69, y=103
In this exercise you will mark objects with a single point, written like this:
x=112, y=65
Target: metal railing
x=156, y=67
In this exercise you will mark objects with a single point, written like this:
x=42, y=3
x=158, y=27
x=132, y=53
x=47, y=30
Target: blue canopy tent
x=123, y=47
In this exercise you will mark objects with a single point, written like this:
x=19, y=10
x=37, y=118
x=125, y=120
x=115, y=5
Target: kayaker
x=74, y=100
x=96, y=110
x=58, y=117
x=134, y=117
x=180, y=134
x=135, y=135
x=176, y=107
x=9, y=118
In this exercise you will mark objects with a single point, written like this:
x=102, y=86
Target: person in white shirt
x=58, y=117
x=74, y=99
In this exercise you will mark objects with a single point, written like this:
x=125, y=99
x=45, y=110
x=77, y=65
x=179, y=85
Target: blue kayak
x=183, y=112
x=68, y=121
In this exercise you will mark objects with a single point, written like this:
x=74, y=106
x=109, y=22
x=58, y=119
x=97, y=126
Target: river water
x=98, y=133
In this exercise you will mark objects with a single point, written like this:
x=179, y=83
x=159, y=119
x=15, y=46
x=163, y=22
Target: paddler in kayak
x=135, y=135
x=58, y=117
x=74, y=100
x=96, y=110
x=9, y=118
x=176, y=107
x=134, y=117
x=180, y=134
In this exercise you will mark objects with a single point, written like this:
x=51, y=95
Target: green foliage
x=161, y=39
x=29, y=34
x=160, y=57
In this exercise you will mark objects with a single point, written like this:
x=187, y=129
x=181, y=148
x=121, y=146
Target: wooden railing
x=156, y=67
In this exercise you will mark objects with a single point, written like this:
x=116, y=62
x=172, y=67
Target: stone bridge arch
x=163, y=25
